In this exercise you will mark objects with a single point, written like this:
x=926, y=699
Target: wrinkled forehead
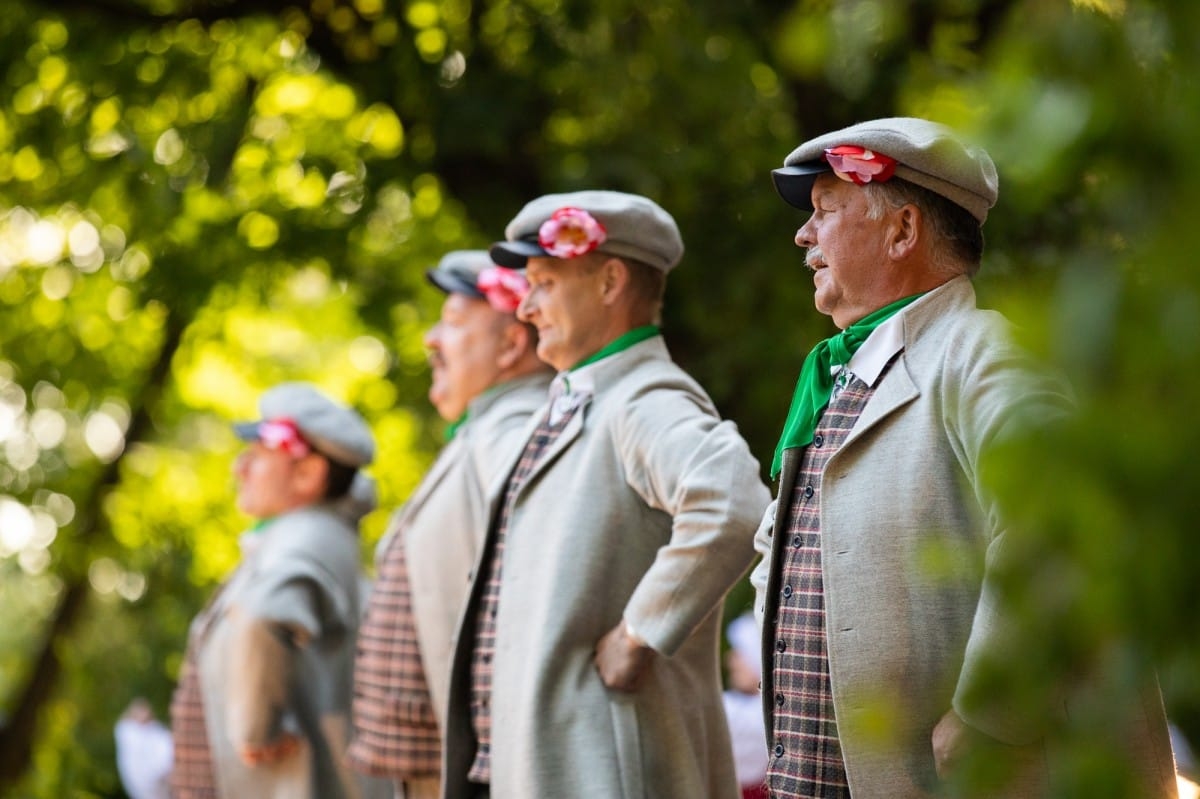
x=828, y=185
x=545, y=265
x=455, y=302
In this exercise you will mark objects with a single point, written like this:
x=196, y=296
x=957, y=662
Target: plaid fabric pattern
x=192, y=775
x=806, y=757
x=489, y=601
x=395, y=726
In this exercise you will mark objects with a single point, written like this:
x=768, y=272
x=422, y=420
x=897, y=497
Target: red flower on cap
x=502, y=288
x=283, y=434
x=859, y=165
x=571, y=232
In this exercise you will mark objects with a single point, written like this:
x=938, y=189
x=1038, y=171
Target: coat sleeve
x=288, y=609
x=682, y=459
x=999, y=394
x=762, y=571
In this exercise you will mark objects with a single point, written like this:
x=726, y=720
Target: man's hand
x=952, y=739
x=621, y=659
x=268, y=754
x=992, y=764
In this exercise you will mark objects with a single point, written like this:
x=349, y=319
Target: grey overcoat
x=276, y=652
x=644, y=508
x=906, y=535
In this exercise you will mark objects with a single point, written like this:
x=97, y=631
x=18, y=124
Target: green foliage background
x=201, y=198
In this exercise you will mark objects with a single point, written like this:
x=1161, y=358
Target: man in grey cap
x=487, y=380
x=263, y=703
x=873, y=658
x=588, y=659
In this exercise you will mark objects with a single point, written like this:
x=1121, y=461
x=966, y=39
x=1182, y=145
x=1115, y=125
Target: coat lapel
x=565, y=439
x=437, y=472
x=895, y=390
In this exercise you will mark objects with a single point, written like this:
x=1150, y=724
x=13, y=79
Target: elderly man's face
x=565, y=304
x=465, y=347
x=846, y=251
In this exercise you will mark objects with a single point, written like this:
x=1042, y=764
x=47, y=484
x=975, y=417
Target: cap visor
x=246, y=431
x=794, y=183
x=514, y=254
x=452, y=284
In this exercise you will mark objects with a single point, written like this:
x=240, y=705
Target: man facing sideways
x=588, y=660
x=873, y=659
x=262, y=707
x=487, y=380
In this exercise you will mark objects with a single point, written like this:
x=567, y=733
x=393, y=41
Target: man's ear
x=905, y=232
x=515, y=341
x=310, y=477
x=614, y=274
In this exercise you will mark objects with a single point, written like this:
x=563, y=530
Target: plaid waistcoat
x=395, y=727
x=192, y=775
x=489, y=600
x=805, y=756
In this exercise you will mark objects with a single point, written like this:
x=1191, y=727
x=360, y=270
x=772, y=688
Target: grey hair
x=960, y=232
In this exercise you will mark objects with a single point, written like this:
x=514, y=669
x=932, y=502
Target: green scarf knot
x=815, y=385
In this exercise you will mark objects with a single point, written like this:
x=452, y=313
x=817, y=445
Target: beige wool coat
x=445, y=520
x=643, y=508
x=907, y=534
x=276, y=652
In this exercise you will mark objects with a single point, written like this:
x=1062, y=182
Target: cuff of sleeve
x=633, y=635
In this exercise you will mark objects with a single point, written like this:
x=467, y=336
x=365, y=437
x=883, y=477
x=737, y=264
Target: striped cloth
x=192, y=775
x=806, y=757
x=489, y=600
x=395, y=726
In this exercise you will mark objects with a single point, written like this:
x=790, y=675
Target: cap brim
x=514, y=254
x=246, y=431
x=452, y=283
x=794, y=183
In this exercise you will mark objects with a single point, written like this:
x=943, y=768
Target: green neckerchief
x=621, y=342
x=815, y=385
x=452, y=428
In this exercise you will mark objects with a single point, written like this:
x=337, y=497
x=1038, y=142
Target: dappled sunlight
x=192, y=210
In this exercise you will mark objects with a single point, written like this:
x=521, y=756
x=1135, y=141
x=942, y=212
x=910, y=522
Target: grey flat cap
x=458, y=272
x=927, y=154
x=634, y=227
x=333, y=429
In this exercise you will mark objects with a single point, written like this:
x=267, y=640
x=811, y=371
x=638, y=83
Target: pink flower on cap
x=503, y=288
x=283, y=434
x=571, y=232
x=859, y=165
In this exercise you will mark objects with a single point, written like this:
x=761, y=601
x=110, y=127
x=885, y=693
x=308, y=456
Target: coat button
x=778, y=750
x=818, y=440
x=780, y=646
x=797, y=541
x=779, y=700
x=787, y=591
x=808, y=491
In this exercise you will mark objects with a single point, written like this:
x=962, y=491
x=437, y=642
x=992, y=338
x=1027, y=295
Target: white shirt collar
x=884, y=342
x=568, y=390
